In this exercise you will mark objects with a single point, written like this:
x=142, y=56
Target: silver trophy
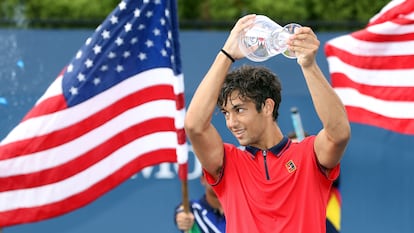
x=266, y=39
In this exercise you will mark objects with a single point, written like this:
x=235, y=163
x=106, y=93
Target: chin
x=243, y=142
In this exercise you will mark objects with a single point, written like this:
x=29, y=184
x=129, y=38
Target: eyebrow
x=237, y=106
x=233, y=107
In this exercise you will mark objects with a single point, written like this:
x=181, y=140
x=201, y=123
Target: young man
x=274, y=185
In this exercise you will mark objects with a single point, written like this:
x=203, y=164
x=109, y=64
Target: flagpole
x=185, y=199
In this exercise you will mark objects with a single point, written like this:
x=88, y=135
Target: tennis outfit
x=279, y=190
x=206, y=218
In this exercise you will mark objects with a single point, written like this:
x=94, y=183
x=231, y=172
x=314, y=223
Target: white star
x=149, y=43
x=149, y=14
x=122, y=5
x=146, y=1
x=162, y=21
x=137, y=12
x=142, y=56
x=127, y=54
x=98, y=28
x=156, y=32
x=70, y=68
x=96, y=81
x=114, y=19
x=141, y=26
x=119, y=41
x=81, y=77
x=88, y=41
x=105, y=34
x=73, y=90
x=164, y=53
x=167, y=43
x=97, y=49
x=104, y=68
x=167, y=13
x=89, y=63
x=157, y=2
x=111, y=55
x=79, y=54
x=128, y=27
x=134, y=40
x=119, y=68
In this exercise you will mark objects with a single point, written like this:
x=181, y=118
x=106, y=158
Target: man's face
x=243, y=120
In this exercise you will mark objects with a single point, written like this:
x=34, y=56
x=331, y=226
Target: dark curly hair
x=253, y=83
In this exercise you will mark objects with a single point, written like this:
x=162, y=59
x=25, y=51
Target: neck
x=272, y=136
x=214, y=203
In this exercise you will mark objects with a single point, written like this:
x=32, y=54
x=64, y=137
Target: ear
x=268, y=107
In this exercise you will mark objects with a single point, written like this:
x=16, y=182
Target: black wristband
x=227, y=55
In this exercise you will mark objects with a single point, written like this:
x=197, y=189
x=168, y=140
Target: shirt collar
x=276, y=149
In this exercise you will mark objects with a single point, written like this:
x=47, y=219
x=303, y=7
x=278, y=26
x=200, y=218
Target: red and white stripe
x=59, y=159
x=372, y=70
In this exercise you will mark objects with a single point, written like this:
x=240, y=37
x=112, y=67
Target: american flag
x=372, y=69
x=117, y=107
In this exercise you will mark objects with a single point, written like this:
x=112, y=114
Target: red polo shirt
x=290, y=197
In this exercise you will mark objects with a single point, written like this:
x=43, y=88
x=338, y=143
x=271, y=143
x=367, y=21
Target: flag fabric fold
x=372, y=70
x=116, y=108
x=334, y=209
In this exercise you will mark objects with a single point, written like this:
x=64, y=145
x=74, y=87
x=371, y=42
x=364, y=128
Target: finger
x=248, y=18
x=304, y=49
x=246, y=22
x=303, y=30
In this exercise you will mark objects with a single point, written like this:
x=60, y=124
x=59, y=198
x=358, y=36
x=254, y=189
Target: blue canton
x=128, y=42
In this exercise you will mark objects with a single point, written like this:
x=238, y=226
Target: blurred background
x=39, y=37
x=323, y=15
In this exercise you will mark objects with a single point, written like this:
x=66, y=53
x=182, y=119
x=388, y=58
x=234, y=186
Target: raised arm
x=331, y=141
x=206, y=141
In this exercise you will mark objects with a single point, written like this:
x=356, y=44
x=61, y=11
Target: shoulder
x=303, y=151
x=232, y=153
x=230, y=149
x=306, y=145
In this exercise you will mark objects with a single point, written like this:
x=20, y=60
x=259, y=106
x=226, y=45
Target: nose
x=231, y=121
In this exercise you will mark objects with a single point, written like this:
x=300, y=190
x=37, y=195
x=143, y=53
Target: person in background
x=333, y=210
x=205, y=216
x=272, y=185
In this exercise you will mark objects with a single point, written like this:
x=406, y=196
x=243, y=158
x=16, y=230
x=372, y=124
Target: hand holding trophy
x=266, y=39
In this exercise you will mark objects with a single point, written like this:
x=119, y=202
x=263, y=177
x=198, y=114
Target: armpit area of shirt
x=210, y=178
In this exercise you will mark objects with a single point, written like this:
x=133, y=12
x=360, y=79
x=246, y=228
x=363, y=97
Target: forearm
x=327, y=104
x=205, y=98
x=206, y=142
x=204, y=101
x=331, y=141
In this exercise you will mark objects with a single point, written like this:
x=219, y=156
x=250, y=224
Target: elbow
x=343, y=134
x=333, y=144
x=192, y=126
x=346, y=135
